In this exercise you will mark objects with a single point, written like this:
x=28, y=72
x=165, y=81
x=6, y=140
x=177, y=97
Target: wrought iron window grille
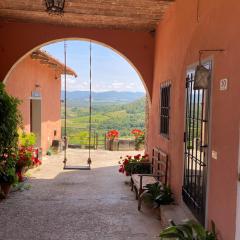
x=165, y=90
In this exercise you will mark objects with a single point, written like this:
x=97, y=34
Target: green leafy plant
x=165, y=197
x=21, y=186
x=139, y=141
x=158, y=194
x=139, y=136
x=27, y=139
x=11, y=120
x=8, y=169
x=49, y=152
x=189, y=230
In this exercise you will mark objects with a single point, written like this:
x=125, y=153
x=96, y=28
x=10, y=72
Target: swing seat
x=77, y=168
x=87, y=167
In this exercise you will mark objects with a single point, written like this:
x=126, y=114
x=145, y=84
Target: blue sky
x=110, y=71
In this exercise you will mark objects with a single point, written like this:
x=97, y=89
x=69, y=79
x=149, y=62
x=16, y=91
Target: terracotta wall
x=178, y=39
x=21, y=83
x=17, y=39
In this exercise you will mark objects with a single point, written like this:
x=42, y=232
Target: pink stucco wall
x=21, y=83
x=179, y=38
x=136, y=47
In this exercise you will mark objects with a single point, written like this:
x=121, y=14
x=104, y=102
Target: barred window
x=165, y=109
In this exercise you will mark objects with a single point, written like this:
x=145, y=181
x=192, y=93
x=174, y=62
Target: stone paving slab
x=77, y=205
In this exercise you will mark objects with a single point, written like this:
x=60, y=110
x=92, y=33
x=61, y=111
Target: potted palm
x=10, y=122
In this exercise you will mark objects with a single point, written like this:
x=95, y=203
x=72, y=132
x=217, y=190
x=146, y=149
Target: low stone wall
x=121, y=145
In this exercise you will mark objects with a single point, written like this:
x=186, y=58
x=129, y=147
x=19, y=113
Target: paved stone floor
x=83, y=205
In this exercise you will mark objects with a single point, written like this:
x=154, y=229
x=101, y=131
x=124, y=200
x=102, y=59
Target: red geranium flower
x=112, y=134
x=137, y=132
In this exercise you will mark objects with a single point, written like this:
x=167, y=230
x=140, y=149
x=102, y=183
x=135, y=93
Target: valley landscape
x=122, y=111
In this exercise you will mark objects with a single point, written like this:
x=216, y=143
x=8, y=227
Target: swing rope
x=90, y=105
x=89, y=161
x=65, y=104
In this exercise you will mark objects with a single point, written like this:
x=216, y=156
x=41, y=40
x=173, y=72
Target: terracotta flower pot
x=5, y=188
x=111, y=144
x=20, y=171
x=20, y=175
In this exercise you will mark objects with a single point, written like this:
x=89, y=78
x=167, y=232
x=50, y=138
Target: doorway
x=196, y=146
x=238, y=197
x=36, y=119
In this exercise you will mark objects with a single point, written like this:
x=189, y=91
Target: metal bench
x=159, y=174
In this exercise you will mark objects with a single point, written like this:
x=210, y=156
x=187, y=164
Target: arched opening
x=32, y=101
x=80, y=39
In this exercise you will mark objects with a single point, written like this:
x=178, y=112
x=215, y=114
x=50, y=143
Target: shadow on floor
x=90, y=205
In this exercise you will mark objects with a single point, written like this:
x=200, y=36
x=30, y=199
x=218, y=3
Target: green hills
x=105, y=116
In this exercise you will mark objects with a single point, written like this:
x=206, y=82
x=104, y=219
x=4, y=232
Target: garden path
x=77, y=205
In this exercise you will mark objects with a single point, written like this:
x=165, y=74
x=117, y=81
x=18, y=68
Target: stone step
x=175, y=212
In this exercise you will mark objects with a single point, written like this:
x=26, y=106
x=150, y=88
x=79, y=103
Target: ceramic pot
x=5, y=188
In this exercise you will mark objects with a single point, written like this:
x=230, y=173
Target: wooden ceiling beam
x=70, y=16
x=130, y=7
x=113, y=14
x=97, y=3
x=80, y=20
x=101, y=13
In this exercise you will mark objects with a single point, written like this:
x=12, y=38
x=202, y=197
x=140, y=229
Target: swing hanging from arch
x=89, y=161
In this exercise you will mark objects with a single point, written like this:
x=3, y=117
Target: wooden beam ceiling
x=142, y=15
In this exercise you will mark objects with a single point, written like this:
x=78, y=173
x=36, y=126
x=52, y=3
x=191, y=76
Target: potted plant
x=158, y=194
x=10, y=122
x=189, y=230
x=25, y=161
x=139, y=138
x=7, y=172
x=135, y=164
x=27, y=154
x=111, y=136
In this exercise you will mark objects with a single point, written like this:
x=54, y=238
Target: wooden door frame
x=38, y=99
x=237, y=235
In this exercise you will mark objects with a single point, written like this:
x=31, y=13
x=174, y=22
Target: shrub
x=11, y=120
x=27, y=139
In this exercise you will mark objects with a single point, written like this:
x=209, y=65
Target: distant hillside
x=81, y=98
x=123, y=117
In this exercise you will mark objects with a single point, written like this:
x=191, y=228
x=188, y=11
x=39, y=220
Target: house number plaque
x=223, y=84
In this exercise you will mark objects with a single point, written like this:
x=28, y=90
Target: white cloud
x=109, y=70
